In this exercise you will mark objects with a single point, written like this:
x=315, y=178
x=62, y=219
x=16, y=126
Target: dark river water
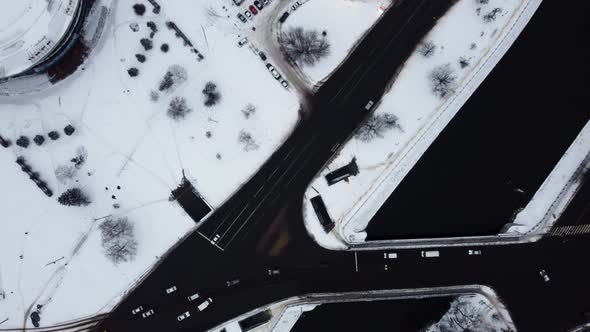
x=506, y=138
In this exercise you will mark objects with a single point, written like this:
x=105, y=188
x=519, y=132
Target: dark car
x=253, y=9
x=258, y=4
x=242, y=18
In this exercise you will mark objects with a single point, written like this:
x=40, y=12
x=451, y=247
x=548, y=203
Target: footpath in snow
x=452, y=60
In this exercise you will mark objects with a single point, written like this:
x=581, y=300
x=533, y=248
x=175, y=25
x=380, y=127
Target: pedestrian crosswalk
x=571, y=230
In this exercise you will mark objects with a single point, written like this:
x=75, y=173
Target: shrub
x=39, y=140
x=23, y=142
x=212, y=96
x=73, y=197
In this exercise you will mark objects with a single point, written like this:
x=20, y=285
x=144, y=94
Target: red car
x=253, y=9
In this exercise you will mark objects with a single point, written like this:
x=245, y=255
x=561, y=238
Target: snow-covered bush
x=212, y=96
x=23, y=142
x=178, y=109
x=376, y=126
x=54, y=135
x=39, y=140
x=304, y=47
x=73, y=197
x=118, y=239
x=442, y=80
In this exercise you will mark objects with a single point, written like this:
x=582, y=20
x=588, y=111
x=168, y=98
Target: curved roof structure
x=30, y=30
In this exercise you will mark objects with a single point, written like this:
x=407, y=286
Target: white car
x=285, y=84
x=430, y=254
x=147, y=313
x=248, y=15
x=545, y=276
x=390, y=255
x=193, y=297
x=273, y=71
x=472, y=252
x=171, y=290
x=205, y=304
x=243, y=42
x=137, y=310
x=369, y=105
x=296, y=5
x=183, y=316
x=274, y=272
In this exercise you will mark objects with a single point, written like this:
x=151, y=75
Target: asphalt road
x=261, y=227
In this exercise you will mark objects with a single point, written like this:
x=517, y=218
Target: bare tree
x=249, y=110
x=178, y=109
x=64, y=173
x=175, y=75
x=376, y=126
x=442, y=80
x=304, y=47
x=427, y=49
x=118, y=239
x=248, y=141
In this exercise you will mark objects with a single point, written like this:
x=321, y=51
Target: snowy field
x=436, y=80
x=348, y=21
x=127, y=154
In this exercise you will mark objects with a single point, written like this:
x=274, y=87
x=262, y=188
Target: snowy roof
x=30, y=30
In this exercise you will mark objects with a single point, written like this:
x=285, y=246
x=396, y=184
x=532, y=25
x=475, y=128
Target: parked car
x=430, y=254
x=274, y=272
x=231, y=283
x=296, y=5
x=243, y=42
x=258, y=4
x=137, y=310
x=147, y=313
x=242, y=18
x=205, y=304
x=285, y=84
x=544, y=274
x=390, y=255
x=193, y=297
x=183, y=316
x=248, y=14
x=273, y=71
x=473, y=252
x=171, y=290
x=262, y=55
x=266, y=2
x=253, y=9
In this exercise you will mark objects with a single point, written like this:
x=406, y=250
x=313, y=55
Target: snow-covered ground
x=348, y=21
x=559, y=187
x=473, y=312
x=458, y=53
x=134, y=154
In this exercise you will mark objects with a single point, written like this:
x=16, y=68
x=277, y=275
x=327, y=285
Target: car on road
x=430, y=254
x=183, y=316
x=147, y=313
x=285, y=84
x=369, y=105
x=137, y=310
x=242, y=18
x=171, y=290
x=274, y=272
x=243, y=42
x=544, y=274
x=233, y=282
x=258, y=4
x=193, y=297
x=473, y=252
x=205, y=304
x=273, y=71
x=253, y=9
x=390, y=255
x=248, y=14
